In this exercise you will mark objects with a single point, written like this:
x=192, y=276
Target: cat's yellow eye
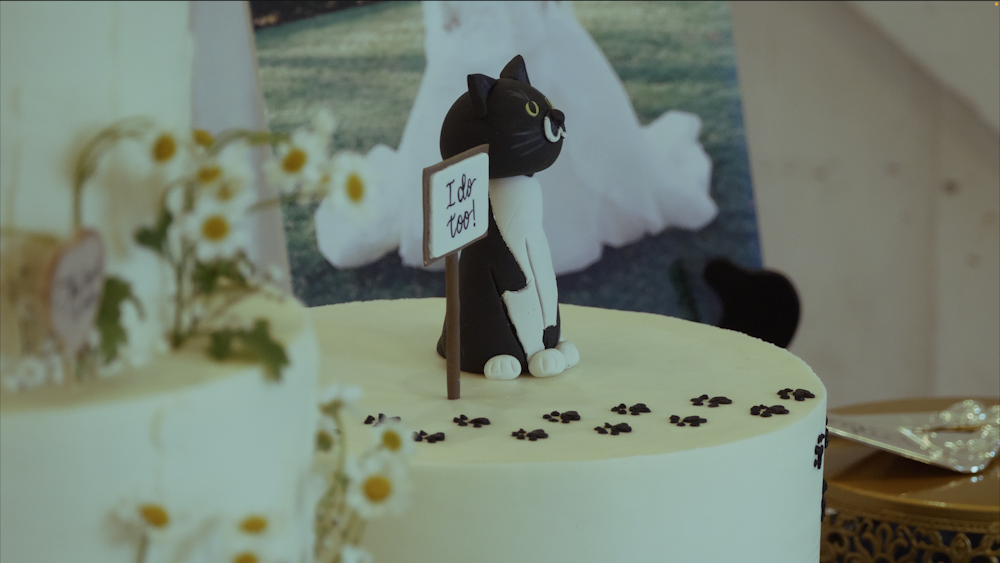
x=551, y=105
x=531, y=108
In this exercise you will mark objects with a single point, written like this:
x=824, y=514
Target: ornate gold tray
x=881, y=507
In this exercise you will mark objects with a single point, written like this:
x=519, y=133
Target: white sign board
x=456, y=203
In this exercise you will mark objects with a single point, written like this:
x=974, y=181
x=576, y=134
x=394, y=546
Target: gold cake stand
x=885, y=508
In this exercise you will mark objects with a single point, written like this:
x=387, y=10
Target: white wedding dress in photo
x=615, y=181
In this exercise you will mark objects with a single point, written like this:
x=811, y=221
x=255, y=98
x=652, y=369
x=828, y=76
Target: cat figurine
x=509, y=310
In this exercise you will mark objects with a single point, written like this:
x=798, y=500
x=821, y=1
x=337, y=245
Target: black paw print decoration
x=765, y=411
x=613, y=429
x=565, y=417
x=713, y=402
x=463, y=420
x=381, y=418
x=822, y=441
x=533, y=436
x=634, y=410
x=797, y=394
x=693, y=421
x=422, y=436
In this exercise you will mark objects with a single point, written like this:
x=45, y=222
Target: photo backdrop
x=653, y=181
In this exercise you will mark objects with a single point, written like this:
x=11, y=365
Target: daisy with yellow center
x=339, y=393
x=168, y=147
x=251, y=539
x=164, y=148
x=326, y=433
x=393, y=438
x=246, y=557
x=225, y=176
x=154, y=515
x=298, y=163
x=352, y=183
x=377, y=485
x=212, y=228
x=148, y=522
x=202, y=138
x=168, y=150
x=254, y=524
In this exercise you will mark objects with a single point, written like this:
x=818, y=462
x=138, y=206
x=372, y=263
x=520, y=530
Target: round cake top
x=186, y=367
x=388, y=348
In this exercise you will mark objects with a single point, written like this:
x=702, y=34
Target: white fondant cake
x=736, y=484
x=185, y=459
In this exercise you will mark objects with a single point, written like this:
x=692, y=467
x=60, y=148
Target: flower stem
x=140, y=556
x=251, y=138
x=178, y=336
x=91, y=155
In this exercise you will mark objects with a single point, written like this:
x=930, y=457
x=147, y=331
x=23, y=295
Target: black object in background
x=761, y=303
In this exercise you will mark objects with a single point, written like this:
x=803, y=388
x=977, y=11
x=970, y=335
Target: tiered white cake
x=183, y=459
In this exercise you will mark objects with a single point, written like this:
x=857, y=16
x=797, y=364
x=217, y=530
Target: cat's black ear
x=516, y=70
x=479, y=88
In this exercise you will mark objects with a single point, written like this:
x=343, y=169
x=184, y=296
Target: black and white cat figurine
x=509, y=302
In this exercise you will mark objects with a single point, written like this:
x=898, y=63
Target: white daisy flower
x=324, y=123
x=391, y=436
x=377, y=484
x=164, y=147
x=354, y=554
x=173, y=200
x=30, y=372
x=326, y=434
x=131, y=520
x=346, y=394
x=352, y=183
x=298, y=162
x=169, y=150
x=251, y=539
x=225, y=177
x=202, y=138
x=212, y=228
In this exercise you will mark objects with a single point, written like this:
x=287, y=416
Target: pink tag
x=75, y=285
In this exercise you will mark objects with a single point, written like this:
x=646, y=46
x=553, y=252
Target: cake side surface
x=659, y=490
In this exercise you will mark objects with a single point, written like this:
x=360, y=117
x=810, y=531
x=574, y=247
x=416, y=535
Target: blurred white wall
x=877, y=178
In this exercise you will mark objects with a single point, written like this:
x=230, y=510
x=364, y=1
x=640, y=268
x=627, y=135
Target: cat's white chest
x=517, y=210
x=517, y=207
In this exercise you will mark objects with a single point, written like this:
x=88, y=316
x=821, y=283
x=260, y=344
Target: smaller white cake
x=736, y=486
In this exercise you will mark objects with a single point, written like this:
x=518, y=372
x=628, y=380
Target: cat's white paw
x=570, y=352
x=502, y=367
x=547, y=363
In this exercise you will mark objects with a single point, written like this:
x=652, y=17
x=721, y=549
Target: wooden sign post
x=456, y=214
